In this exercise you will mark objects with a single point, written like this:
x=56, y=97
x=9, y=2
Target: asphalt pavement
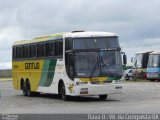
x=138, y=97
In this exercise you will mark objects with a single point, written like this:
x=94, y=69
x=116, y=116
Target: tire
x=102, y=97
x=23, y=87
x=130, y=78
x=63, y=92
x=152, y=80
x=28, y=89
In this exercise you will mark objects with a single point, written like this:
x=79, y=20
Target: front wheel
x=63, y=92
x=102, y=97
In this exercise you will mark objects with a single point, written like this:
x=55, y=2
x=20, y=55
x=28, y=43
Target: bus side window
x=26, y=51
x=49, y=49
x=33, y=51
x=14, y=53
x=58, y=48
x=20, y=54
x=40, y=50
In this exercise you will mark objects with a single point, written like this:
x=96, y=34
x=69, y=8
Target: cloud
x=7, y=37
x=136, y=22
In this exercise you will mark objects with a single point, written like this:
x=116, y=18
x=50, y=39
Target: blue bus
x=153, y=67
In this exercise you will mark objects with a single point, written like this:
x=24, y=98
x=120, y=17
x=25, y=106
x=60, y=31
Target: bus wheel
x=23, y=87
x=28, y=89
x=63, y=92
x=102, y=97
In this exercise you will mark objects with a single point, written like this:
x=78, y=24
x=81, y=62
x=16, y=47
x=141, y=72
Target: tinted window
x=26, y=51
x=40, y=50
x=33, y=51
x=14, y=53
x=58, y=48
x=20, y=54
x=49, y=49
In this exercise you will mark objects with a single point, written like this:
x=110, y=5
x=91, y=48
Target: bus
x=77, y=63
x=140, y=64
x=153, y=68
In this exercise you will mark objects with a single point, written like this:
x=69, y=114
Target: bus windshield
x=154, y=61
x=94, y=64
x=111, y=63
x=87, y=64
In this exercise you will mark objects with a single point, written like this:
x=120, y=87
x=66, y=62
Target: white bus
x=76, y=63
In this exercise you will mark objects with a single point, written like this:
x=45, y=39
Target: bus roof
x=65, y=34
x=144, y=52
x=40, y=39
x=89, y=34
x=155, y=52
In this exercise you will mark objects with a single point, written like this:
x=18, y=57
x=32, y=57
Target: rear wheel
x=23, y=87
x=102, y=97
x=28, y=89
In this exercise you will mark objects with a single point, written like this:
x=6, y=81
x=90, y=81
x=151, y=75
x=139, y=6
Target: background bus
x=140, y=64
x=69, y=64
x=153, y=68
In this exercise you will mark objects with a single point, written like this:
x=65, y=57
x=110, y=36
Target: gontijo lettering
x=32, y=65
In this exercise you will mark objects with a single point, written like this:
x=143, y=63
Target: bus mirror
x=124, y=59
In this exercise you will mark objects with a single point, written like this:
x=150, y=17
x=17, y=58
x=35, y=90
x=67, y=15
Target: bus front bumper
x=83, y=90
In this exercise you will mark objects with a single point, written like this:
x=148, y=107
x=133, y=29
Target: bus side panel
x=50, y=80
x=153, y=73
x=48, y=72
x=38, y=72
x=27, y=70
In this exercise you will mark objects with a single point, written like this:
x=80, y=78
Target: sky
x=137, y=22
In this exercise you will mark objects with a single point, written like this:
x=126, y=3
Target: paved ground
x=138, y=97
